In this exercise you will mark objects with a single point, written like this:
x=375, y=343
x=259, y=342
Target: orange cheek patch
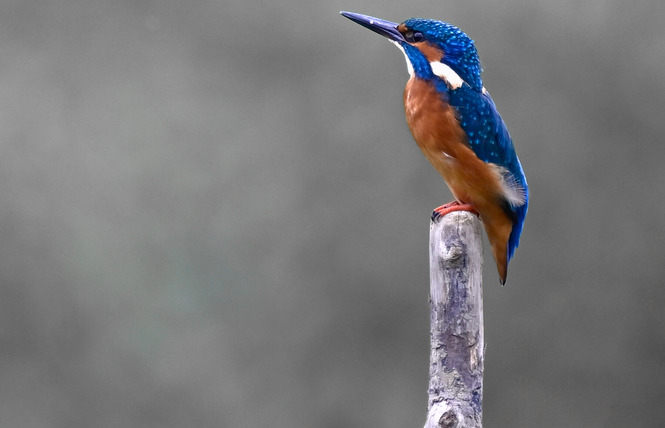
x=431, y=52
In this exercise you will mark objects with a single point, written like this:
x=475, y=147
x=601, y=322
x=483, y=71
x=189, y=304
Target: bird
x=455, y=122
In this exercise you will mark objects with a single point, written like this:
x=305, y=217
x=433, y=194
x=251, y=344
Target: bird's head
x=432, y=48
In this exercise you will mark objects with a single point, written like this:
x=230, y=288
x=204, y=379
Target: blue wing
x=488, y=137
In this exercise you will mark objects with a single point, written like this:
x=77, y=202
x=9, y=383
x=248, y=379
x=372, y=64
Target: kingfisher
x=455, y=123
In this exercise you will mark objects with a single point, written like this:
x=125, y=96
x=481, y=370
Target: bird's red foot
x=450, y=207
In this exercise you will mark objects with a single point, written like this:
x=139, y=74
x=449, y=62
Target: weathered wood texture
x=457, y=349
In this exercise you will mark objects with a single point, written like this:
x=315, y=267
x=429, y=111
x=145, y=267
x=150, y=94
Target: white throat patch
x=409, y=67
x=452, y=79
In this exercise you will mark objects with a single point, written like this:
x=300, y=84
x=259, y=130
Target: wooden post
x=457, y=347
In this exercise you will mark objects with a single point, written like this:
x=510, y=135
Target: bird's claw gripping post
x=451, y=207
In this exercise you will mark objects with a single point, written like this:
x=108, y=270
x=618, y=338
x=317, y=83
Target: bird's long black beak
x=380, y=26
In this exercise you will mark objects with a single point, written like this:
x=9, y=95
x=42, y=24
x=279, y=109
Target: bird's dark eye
x=413, y=36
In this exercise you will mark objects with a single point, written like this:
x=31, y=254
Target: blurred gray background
x=212, y=214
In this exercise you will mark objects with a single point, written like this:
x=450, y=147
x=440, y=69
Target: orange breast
x=436, y=130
